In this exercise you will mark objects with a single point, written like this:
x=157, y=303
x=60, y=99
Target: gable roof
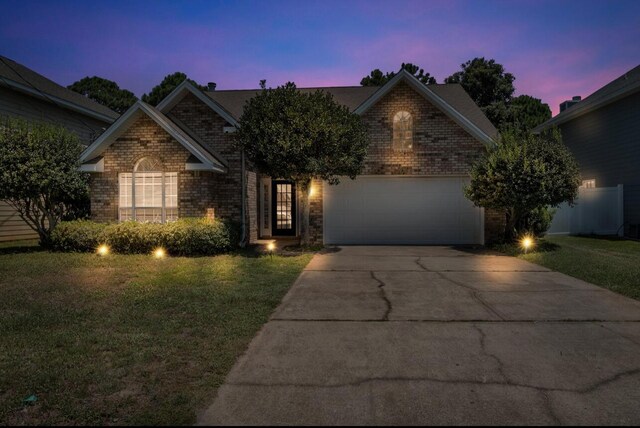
x=451, y=98
x=621, y=87
x=444, y=100
x=186, y=88
x=18, y=77
x=206, y=161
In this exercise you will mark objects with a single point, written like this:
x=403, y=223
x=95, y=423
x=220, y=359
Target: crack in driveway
x=359, y=382
x=472, y=291
x=383, y=295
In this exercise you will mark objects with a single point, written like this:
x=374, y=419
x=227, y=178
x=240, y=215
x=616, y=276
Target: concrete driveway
x=436, y=335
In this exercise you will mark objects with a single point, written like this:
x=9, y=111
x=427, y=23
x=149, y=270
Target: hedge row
x=185, y=237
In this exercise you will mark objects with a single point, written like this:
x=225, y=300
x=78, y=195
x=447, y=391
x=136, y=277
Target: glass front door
x=283, y=208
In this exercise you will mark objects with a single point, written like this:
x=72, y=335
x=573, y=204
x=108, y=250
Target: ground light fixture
x=527, y=242
x=102, y=250
x=271, y=247
x=159, y=253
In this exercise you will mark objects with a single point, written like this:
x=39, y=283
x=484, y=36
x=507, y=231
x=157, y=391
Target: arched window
x=148, y=193
x=402, y=131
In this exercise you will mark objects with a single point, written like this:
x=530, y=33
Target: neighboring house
x=179, y=160
x=603, y=133
x=27, y=94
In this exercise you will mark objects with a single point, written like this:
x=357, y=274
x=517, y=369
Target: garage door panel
x=400, y=210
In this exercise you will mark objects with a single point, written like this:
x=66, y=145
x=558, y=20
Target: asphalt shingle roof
x=624, y=85
x=22, y=75
x=352, y=96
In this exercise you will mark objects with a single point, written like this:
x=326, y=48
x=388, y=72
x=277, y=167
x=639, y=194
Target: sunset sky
x=556, y=49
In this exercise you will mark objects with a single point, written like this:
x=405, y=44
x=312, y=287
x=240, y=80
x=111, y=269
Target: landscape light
x=159, y=253
x=103, y=250
x=527, y=242
x=271, y=246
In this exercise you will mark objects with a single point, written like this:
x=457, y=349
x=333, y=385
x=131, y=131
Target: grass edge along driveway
x=611, y=263
x=127, y=339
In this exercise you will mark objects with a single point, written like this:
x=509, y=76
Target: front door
x=283, y=208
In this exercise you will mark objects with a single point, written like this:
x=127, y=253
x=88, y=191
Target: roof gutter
x=585, y=106
x=71, y=106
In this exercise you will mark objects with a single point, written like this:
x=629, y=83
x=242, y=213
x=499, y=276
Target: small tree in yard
x=296, y=136
x=523, y=174
x=39, y=174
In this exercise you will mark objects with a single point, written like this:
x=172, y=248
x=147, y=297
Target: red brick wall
x=197, y=191
x=144, y=138
x=440, y=147
x=226, y=189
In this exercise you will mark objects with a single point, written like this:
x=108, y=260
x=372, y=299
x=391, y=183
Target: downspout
x=243, y=235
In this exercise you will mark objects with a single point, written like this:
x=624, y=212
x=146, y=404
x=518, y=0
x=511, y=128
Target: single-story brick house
x=178, y=160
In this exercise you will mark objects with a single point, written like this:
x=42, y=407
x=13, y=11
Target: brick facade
x=197, y=190
x=440, y=148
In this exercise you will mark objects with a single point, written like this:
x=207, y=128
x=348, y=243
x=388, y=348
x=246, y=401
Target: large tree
x=39, y=174
x=378, y=78
x=301, y=136
x=524, y=173
x=168, y=84
x=524, y=113
x=488, y=84
x=105, y=92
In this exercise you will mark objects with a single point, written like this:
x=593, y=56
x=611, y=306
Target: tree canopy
x=39, y=174
x=491, y=87
x=168, y=84
x=105, y=92
x=525, y=112
x=485, y=81
x=301, y=136
x=378, y=78
x=525, y=172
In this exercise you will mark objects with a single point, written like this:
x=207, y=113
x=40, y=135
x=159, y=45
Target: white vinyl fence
x=598, y=211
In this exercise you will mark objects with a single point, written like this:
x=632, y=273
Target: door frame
x=274, y=209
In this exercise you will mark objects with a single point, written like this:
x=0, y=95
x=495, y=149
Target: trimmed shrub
x=77, y=236
x=185, y=237
x=538, y=221
x=192, y=237
x=132, y=237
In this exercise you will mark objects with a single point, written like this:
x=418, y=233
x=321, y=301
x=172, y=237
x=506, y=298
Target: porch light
x=312, y=191
x=103, y=250
x=526, y=243
x=159, y=253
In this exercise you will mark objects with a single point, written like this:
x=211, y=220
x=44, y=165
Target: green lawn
x=611, y=263
x=127, y=339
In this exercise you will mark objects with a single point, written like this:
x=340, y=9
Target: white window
x=402, y=131
x=589, y=184
x=148, y=193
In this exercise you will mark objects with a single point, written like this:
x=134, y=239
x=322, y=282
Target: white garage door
x=400, y=210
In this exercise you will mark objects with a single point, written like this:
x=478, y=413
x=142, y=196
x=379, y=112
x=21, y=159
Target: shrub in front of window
x=185, y=237
x=77, y=236
x=132, y=237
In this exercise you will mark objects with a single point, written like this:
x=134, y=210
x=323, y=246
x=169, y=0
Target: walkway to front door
x=435, y=335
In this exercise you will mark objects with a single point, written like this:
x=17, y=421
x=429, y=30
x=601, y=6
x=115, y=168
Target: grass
x=608, y=262
x=126, y=339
